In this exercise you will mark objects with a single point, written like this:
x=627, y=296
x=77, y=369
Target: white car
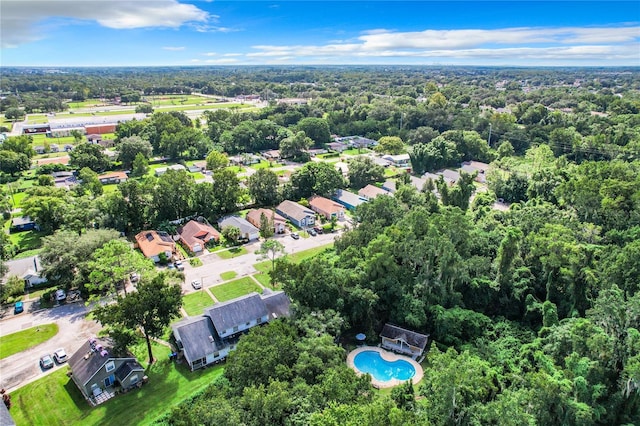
x=60, y=356
x=60, y=295
x=196, y=284
x=179, y=266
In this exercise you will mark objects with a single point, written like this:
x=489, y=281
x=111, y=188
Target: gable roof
x=244, y=225
x=152, y=243
x=23, y=267
x=349, y=198
x=277, y=303
x=88, y=360
x=411, y=337
x=254, y=216
x=198, y=337
x=194, y=232
x=372, y=191
x=294, y=210
x=237, y=311
x=325, y=204
x=127, y=368
x=22, y=220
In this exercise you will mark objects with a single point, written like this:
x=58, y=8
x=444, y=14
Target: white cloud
x=173, y=48
x=512, y=45
x=19, y=17
x=220, y=61
x=209, y=54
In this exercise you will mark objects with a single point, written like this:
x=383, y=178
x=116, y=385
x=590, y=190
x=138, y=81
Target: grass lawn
x=37, y=118
x=229, y=275
x=264, y=279
x=356, y=151
x=194, y=303
x=27, y=253
x=234, y=289
x=27, y=240
x=232, y=252
x=197, y=176
x=264, y=164
x=17, y=198
x=25, y=339
x=56, y=400
x=298, y=257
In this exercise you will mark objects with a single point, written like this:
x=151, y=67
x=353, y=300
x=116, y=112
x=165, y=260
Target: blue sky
x=181, y=32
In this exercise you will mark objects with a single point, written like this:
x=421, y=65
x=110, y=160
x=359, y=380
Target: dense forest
x=533, y=312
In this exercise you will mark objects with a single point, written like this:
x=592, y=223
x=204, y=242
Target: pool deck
x=387, y=356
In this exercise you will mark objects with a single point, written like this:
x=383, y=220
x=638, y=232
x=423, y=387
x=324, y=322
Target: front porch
x=401, y=347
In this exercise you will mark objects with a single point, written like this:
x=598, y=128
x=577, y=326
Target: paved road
x=213, y=265
x=74, y=329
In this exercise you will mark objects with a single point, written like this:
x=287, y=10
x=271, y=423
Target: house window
x=259, y=320
x=110, y=366
x=216, y=354
x=134, y=379
x=248, y=324
x=235, y=328
x=108, y=381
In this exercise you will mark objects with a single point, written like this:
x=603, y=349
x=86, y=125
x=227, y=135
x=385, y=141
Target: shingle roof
x=349, y=198
x=411, y=337
x=254, y=215
x=194, y=232
x=294, y=210
x=237, y=311
x=85, y=362
x=23, y=267
x=126, y=368
x=244, y=225
x=277, y=303
x=198, y=337
x=325, y=205
x=372, y=191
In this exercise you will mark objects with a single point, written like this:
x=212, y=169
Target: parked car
x=60, y=295
x=295, y=235
x=196, y=284
x=179, y=266
x=46, y=362
x=171, y=266
x=60, y=356
x=312, y=232
x=318, y=230
x=18, y=308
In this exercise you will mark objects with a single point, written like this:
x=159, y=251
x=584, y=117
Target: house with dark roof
x=279, y=223
x=113, y=177
x=299, y=215
x=98, y=372
x=327, y=208
x=247, y=230
x=154, y=243
x=5, y=416
x=195, y=235
x=390, y=185
x=481, y=168
x=404, y=341
x=210, y=337
x=199, y=342
x=348, y=199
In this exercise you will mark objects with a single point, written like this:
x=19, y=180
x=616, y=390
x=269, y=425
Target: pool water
x=371, y=362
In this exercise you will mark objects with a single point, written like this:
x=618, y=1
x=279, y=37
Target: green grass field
x=25, y=339
x=27, y=240
x=298, y=257
x=194, y=303
x=264, y=279
x=264, y=164
x=234, y=289
x=232, y=252
x=56, y=400
x=229, y=275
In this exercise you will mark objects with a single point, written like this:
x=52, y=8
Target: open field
x=25, y=339
x=234, y=289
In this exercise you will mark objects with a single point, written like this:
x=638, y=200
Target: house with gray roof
x=199, y=342
x=208, y=338
x=299, y=215
x=98, y=372
x=247, y=230
x=28, y=269
x=404, y=341
x=348, y=199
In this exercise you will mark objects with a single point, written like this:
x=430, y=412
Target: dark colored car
x=318, y=230
x=46, y=362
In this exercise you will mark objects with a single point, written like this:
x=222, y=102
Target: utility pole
x=489, y=138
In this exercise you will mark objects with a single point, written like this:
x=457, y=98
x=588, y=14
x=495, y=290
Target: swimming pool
x=380, y=369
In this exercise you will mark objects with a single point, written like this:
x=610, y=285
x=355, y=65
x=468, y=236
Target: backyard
x=56, y=400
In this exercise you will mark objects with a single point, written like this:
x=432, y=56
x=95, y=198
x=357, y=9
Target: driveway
x=74, y=329
x=209, y=273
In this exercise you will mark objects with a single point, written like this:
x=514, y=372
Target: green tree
x=228, y=192
x=19, y=144
x=317, y=129
x=295, y=147
x=266, y=226
x=130, y=147
x=77, y=135
x=390, y=145
x=89, y=182
x=263, y=187
x=150, y=309
x=172, y=195
x=111, y=265
x=46, y=180
x=231, y=234
x=216, y=160
x=315, y=178
x=364, y=171
x=271, y=249
x=46, y=206
x=140, y=166
x=14, y=114
x=13, y=162
x=89, y=155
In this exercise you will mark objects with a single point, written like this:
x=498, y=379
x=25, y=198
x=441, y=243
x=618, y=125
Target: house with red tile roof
x=195, y=235
x=279, y=222
x=153, y=243
x=326, y=207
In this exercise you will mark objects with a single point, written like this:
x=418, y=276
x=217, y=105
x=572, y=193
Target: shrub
x=195, y=262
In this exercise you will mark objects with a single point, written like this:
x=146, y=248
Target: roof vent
x=104, y=353
x=211, y=338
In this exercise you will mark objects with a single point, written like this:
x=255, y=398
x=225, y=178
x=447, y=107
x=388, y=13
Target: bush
x=195, y=262
x=14, y=287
